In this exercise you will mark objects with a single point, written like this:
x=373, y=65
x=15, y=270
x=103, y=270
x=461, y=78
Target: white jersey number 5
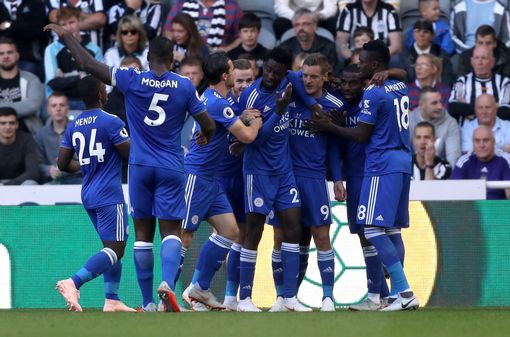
x=159, y=110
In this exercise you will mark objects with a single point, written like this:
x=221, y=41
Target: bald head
x=486, y=109
x=483, y=61
x=484, y=143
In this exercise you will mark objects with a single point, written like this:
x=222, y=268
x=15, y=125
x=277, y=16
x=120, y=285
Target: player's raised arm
x=81, y=55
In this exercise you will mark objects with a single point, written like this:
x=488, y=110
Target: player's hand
x=379, y=77
x=339, y=190
x=59, y=30
x=284, y=100
x=55, y=172
x=337, y=117
x=430, y=153
x=321, y=122
x=200, y=139
x=236, y=148
x=249, y=114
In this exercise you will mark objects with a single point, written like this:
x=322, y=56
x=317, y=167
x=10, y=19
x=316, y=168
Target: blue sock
x=170, y=258
x=389, y=257
x=290, y=261
x=374, y=269
x=95, y=266
x=181, y=263
x=303, y=262
x=144, y=265
x=326, y=263
x=396, y=238
x=247, y=263
x=112, y=281
x=233, y=270
x=215, y=252
x=276, y=264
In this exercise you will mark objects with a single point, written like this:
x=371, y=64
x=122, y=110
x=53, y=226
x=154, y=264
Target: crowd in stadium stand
x=455, y=53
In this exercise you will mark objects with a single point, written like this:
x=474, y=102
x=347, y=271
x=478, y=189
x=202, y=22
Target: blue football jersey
x=156, y=107
x=353, y=152
x=93, y=136
x=232, y=165
x=205, y=160
x=269, y=153
x=389, y=147
x=308, y=149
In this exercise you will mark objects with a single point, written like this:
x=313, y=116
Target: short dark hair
x=8, y=40
x=485, y=30
x=131, y=59
x=242, y=64
x=192, y=61
x=8, y=111
x=424, y=2
x=425, y=124
x=317, y=59
x=215, y=66
x=161, y=49
x=66, y=13
x=279, y=55
x=247, y=56
x=57, y=94
x=424, y=24
x=88, y=88
x=250, y=20
x=378, y=50
x=361, y=30
x=352, y=68
x=425, y=90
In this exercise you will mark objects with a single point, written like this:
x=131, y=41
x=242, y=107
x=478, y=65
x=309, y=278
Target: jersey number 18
x=402, y=111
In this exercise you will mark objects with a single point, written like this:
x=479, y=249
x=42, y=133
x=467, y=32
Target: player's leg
x=276, y=262
x=304, y=252
x=326, y=264
x=259, y=198
x=141, y=200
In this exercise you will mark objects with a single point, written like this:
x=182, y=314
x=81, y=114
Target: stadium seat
x=264, y=9
x=409, y=12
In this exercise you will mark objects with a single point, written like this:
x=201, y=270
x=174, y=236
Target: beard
x=8, y=67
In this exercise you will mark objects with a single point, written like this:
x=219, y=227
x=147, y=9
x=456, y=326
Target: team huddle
x=259, y=154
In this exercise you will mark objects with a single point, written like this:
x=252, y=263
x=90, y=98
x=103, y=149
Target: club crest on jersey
x=194, y=219
x=259, y=202
x=228, y=112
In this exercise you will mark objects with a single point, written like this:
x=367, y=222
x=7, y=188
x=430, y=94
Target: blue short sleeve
x=370, y=107
x=67, y=140
x=118, y=132
x=122, y=78
x=225, y=115
x=195, y=104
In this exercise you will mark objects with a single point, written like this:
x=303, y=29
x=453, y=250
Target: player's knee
x=322, y=240
x=186, y=238
x=277, y=237
x=292, y=234
x=230, y=232
x=118, y=247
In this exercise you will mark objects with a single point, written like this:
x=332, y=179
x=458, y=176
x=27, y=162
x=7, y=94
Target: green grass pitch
x=424, y=322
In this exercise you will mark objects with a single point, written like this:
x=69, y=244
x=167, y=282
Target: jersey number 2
x=159, y=110
x=402, y=111
x=95, y=149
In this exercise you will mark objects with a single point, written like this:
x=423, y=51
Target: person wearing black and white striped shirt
x=148, y=11
x=482, y=80
x=381, y=17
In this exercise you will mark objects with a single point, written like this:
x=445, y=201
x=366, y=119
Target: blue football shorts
x=353, y=189
x=234, y=190
x=111, y=222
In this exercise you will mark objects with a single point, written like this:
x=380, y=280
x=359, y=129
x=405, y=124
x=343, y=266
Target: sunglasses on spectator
x=132, y=32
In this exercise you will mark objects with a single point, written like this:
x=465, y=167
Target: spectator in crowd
x=426, y=164
x=307, y=40
x=62, y=71
x=379, y=16
x=130, y=41
x=362, y=35
x=148, y=11
x=19, y=89
x=481, y=81
x=446, y=129
x=48, y=139
x=423, y=33
x=249, y=27
x=217, y=21
x=243, y=77
x=486, y=36
x=92, y=17
x=325, y=10
x=23, y=21
x=485, y=162
x=428, y=69
x=486, y=109
x=430, y=10
x=468, y=15
x=297, y=62
x=19, y=153
x=188, y=42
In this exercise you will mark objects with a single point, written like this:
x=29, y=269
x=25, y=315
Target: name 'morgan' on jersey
x=93, y=136
x=206, y=160
x=389, y=148
x=308, y=149
x=156, y=107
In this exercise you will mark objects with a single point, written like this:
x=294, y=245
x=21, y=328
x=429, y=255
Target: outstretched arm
x=81, y=55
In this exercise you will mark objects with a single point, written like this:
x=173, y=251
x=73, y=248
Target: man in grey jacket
x=447, y=130
x=19, y=89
